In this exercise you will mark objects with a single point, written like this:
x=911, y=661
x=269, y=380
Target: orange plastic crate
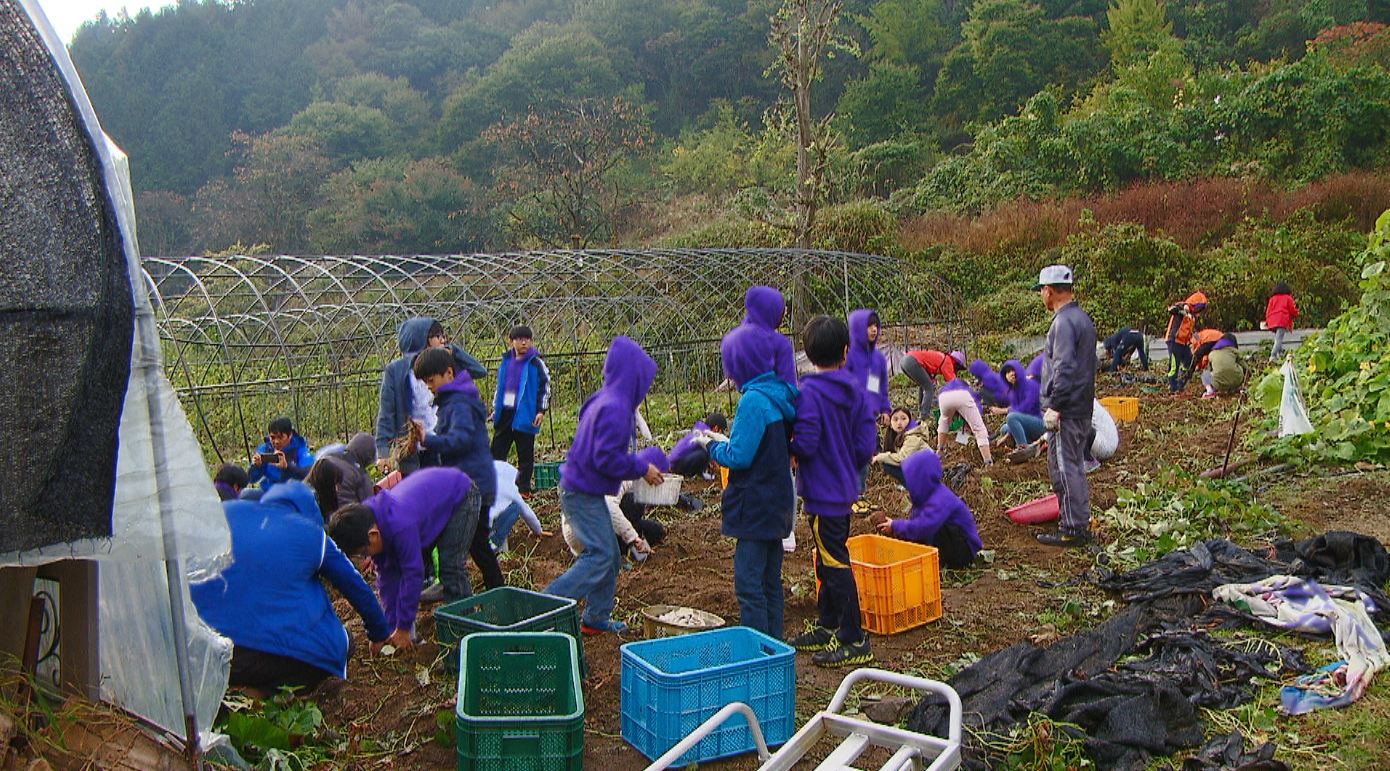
x=899, y=583
x=1124, y=409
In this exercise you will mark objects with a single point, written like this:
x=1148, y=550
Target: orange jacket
x=1181, y=318
x=1200, y=339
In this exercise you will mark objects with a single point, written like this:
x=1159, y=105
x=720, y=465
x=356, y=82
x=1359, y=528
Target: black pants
x=648, y=530
x=269, y=671
x=503, y=437
x=895, y=471
x=1179, y=365
x=481, y=552
x=953, y=548
x=838, y=601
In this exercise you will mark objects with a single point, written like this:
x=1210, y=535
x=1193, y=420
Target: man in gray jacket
x=1068, y=392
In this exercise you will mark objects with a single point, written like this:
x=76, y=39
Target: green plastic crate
x=546, y=475
x=520, y=706
x=508, y=609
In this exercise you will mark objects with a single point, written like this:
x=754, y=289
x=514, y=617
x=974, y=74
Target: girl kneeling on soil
x=939, y=517
x=905, y=437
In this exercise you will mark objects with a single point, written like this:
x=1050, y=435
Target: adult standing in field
x=1280, y=312
x=1068, y=396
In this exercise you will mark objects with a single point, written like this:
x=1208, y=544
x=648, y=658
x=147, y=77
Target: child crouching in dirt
x=939, y=517
x=833, y=438
x=597, y=464
x=759, y=504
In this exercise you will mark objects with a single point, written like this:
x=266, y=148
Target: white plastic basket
x=665, y=494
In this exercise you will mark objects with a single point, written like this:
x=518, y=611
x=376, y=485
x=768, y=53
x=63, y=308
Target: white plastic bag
x=1293, y=418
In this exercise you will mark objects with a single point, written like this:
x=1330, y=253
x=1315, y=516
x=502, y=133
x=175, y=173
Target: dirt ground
x=393, y=707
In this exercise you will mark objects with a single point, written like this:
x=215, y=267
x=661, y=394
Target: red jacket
x=1280, y=312
x=936, y=363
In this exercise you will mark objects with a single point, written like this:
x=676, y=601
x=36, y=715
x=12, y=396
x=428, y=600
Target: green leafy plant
x=1156, y=517
x=278, y=734
x=1345, y=375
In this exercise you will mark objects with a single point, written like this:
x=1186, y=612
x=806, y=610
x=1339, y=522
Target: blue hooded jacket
x=393, y=412
x=532, y=390
x=866, y=362
x=599, y=459
x=298, y=460
x=1022, y=396
x=833, y=438
x=460, y=437
x=760, y=501
x=764, y=308
x=272, y=598
x=934, y=505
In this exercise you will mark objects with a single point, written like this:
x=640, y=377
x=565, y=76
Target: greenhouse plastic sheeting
x=162, y=511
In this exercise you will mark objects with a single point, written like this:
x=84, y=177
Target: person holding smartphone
x=284, y=455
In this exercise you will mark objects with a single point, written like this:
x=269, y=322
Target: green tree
x=268, y=200
x=1136, y=29
x=347, y=132
x=398, y=206
x=888, y=102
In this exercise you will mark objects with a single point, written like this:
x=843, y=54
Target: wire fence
x=247, y=338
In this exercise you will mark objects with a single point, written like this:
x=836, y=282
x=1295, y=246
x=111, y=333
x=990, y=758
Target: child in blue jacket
x=834, y=437
x=520, y=404
x=759, y=504
x=939, y=517
x=459, y=440
x=404, y=398
x=597, y=464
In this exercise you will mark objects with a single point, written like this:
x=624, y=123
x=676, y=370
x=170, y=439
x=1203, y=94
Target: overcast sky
x=67, y=15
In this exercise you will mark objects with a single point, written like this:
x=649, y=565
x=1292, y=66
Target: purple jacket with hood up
x=866, y=362
x=934, y=505
x=765, y=307
x=599, y=460
x=833, y=438
x=411, y=516
x=1022, y=396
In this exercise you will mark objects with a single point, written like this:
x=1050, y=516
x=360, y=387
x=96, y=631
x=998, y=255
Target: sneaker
x=1209, y=395
x=842, y=655
x=1091, y=465
x=815, y=638
x=611, y=625
x=1066, y=540
x=432, y=593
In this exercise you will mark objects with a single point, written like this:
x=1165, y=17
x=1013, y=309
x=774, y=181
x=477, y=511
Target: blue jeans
x=1024, y=428
x=593, y=577
x=502, y=526
x=453, y=547
x=758, y=585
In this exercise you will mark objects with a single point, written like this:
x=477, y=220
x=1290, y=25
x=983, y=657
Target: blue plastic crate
x=671, y=685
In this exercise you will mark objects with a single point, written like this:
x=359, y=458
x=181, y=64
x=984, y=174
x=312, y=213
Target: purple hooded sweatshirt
x=934, y=505
x=834, y=436
x=765, y=307
x=1022, y=396
x=1035, y=367
x=411, y=516
x=866, y=362
x=599, y=460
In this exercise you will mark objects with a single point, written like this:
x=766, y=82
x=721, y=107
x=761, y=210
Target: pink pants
x=961, y=403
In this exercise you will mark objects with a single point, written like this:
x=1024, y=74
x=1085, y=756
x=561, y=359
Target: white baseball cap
x=1053, y=274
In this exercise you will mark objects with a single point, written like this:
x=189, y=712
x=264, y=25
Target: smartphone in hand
x=270, y=458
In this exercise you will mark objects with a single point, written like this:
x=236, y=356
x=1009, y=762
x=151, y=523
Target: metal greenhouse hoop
x=250, y=337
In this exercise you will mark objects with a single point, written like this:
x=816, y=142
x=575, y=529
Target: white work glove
x=715, y=436
x=702, y=439
x=1051, y=419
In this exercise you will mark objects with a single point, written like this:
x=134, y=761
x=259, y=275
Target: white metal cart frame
x=912, y=750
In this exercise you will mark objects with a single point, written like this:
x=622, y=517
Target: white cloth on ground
x=1107, y=439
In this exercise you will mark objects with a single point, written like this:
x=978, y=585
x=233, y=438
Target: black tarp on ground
x=1135, y=682
x=66, y=311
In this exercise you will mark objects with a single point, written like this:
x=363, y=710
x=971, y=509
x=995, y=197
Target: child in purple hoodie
x=759, y=505
x=939, y=517
x=598, y=462
x=1011, y=386
x=866, y=362
x=431, y=507
x=765, y=307
x=833, y=439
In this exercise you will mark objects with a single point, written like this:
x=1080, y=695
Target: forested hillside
x=370, y=126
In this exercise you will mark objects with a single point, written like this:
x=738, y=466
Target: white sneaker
x=789, y=543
